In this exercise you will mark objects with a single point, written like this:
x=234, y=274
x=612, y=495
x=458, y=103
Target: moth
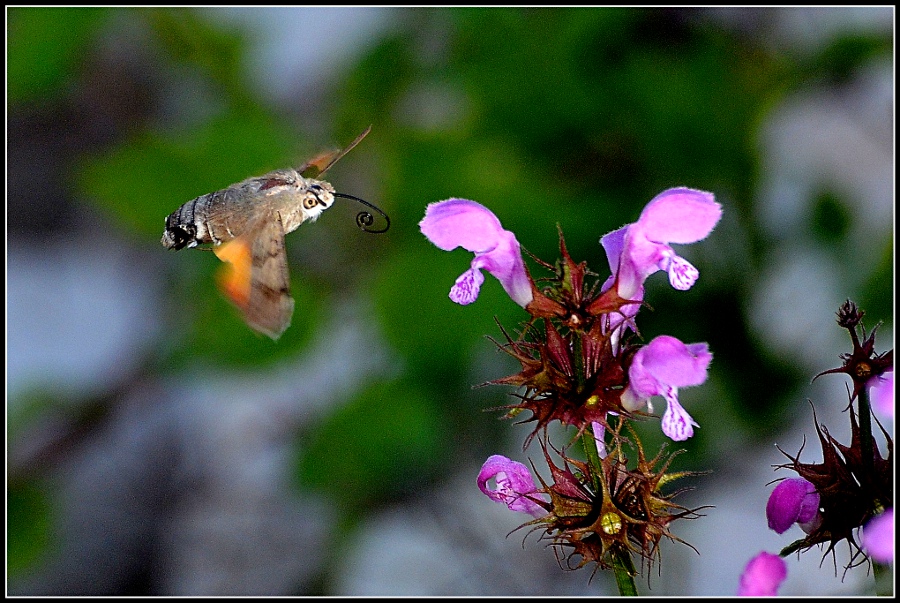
x=246, y=222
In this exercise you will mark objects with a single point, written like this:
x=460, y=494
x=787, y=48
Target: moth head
x=178, y=234
x=317, y=197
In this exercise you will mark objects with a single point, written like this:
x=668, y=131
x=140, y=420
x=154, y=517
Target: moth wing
x=316, y=166
x=323, y=161
x=255, y=277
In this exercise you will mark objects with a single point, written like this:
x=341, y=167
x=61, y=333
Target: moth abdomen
x=179, y=236
x=189, y=225
x=181, y=227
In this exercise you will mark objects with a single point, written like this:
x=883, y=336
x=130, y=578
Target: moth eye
x=310, y=202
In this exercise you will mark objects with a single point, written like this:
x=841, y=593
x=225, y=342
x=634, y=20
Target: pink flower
x=462, y=223
x=762, y=576
x=878, y=537
x=659, y=369
x=793, y=500
x=599, y=432
x=514, y=485
x=635, y=251
x=882, y=392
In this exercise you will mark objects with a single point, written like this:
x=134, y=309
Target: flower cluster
x=851, y=489
x=581, y=365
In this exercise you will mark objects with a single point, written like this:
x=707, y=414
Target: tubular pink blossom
x=462, y=223
x=878, y=537
x=882, y=393
x=677, y=215
x=793, y=500
x=514, y=485
x=762, y=576
x=659, y=369
x=599, y=432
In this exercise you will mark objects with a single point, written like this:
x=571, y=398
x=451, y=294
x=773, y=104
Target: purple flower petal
x=674, y=363
x=513, y=485
x=762, y=576
x=676, y=422
x=462, y=223
x=659, y=369
x=682, y=274
x=882, y=394
x=793, y=500
x=599, y=432
x=467, y=286
x=878, y=537
x=680, y=215
x=613, y=243
x=677, y=215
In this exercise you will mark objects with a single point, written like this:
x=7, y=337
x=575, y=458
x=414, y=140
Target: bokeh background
x=157, y=446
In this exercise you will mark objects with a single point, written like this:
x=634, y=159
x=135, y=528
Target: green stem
x=624, y=569
x=587, y=436
x=865, y=432
x=593, y=458
x=883, y=573
x=622, y=563
x=884, y=583
x=578, y=358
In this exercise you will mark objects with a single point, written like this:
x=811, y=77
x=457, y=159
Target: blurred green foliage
x=45, y=49
x=28, y=521
x=382, y=444
x=139, y=183
x=188, y=38
x=574, y=117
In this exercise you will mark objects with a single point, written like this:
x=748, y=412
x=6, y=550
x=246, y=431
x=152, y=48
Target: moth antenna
x=364, y=219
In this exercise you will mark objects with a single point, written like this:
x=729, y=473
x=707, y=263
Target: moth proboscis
x=246, y=222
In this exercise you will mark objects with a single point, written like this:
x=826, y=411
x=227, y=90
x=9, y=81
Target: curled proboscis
x=365, y=219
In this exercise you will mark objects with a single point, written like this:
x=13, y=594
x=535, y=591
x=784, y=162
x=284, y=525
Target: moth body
x=231, y=212
x=246, y=222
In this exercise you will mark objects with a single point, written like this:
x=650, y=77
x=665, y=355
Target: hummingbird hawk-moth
x=246, y=223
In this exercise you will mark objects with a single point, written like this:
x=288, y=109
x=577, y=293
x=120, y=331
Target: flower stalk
x=623, y=567
x=849, y=495
x=866, y=441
